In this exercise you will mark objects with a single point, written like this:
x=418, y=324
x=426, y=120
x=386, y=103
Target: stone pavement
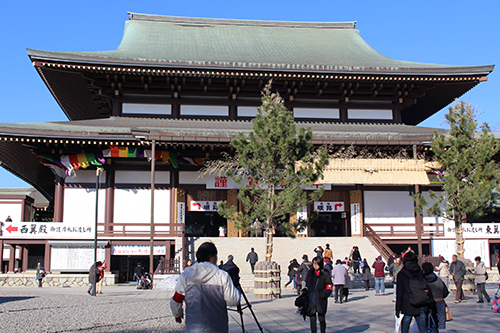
x=122, y=308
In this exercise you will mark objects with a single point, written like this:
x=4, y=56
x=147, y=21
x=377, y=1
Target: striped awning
x=377, y=171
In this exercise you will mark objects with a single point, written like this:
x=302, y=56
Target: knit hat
x=379, y=258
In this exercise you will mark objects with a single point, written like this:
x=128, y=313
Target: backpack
x=419, y=292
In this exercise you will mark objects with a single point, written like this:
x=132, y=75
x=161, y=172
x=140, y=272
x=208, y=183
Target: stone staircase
x=285, y=249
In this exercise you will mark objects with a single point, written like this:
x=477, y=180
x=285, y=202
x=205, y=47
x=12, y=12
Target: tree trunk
x=459, y=235
x=269, y=242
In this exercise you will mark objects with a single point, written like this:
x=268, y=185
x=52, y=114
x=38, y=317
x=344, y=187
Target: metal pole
x=152, y=225
x=97, y=173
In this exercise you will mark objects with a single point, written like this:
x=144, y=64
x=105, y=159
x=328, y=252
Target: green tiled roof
x=120, y=128
x=258, y=45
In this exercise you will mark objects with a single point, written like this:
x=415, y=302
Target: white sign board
x=328, y=206
x=181, y=212
x=141, y=250
x=203, y=206
x=48, y=230
x=473, y=248
x=70, y=258
x=475, y=230
x=302, y=216
x=355, y=219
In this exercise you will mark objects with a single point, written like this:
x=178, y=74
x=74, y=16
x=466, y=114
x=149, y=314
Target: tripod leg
x=250, y=308
x=240, y=311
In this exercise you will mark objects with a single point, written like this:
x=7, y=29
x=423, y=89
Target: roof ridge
x=262, y=23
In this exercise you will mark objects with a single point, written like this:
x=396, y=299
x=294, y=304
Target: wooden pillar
x=59, y=200
x=110, y=199
x=1, y=254
x=176, y=110
x=107, y=251
x=232, y=200
x=233, y=112
x=418, y=216
x=24, y=260
x=46, y=264
x=357, y=212
x=12, y=258
x=343, y=111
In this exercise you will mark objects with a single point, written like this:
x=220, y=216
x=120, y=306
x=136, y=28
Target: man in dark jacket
x=403, y=306
x=356, y=257
x=302, y=273
x=252, y=257
x=458, y=270
x=138, y=273
x=292, y=272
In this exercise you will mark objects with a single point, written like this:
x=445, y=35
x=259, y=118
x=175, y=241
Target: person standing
x=328, y=252
x=318, y=287
x=302, y=273
x=356, y=258
x=94, y=278
x=291, y=273
x=252, y=258
x=328, y=265
x=138, y=273
x=480, y=273
x=397, y=267
x=40, y=274
x=444, y=271
x=100, y=277
x=379, y=274
x=207, y=291
x=367, y=275
x=411, y=270
x=439, y=292
x=339, y=274
x=458, y=270
x=319, y=251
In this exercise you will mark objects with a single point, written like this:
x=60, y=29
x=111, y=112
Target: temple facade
x=150, y=113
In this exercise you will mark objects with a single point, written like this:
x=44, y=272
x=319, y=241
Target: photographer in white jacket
x=207, y=291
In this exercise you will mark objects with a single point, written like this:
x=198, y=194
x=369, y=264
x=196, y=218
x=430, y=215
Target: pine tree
x=265, y=164
x=470, y=173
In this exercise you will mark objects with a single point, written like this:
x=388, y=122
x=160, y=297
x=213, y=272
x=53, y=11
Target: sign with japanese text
x=130, y=250
x=328, y=206
x=355, y=219
x=203, y=206
x=48, y=230
x=224, y=182
x=181, y=212
x=473, y=230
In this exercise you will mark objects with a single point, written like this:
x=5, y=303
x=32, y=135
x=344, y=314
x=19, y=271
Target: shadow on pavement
x=14, y=298
x=354, y=299
x=359, y=328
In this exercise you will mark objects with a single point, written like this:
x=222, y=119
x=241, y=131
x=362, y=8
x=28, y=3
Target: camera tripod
x=240, y=309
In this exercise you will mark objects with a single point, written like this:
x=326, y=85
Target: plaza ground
x=122, y=308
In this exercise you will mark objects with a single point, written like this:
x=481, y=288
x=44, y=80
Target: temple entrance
x=204, y=224
x=331, y=225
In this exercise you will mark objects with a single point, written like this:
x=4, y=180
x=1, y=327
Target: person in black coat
x=318, y=288
x=403, y=306
x=302, y=273
x=292, y=272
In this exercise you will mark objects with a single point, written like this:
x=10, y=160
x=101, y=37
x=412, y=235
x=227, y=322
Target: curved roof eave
x=69, y=57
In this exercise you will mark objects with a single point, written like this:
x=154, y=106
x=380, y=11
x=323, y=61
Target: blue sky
x=455, y=32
